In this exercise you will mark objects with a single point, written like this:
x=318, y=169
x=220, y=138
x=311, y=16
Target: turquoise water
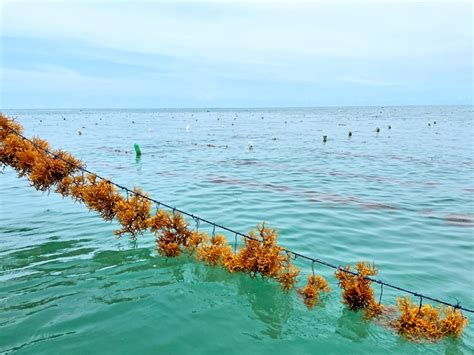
x=402, y=198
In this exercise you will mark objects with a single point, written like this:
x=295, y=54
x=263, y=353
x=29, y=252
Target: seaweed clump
x=358, y=293
x=133, y=214
x=215, y=251
x=171, y=232
x=100, y=196
x=428, y=322
x=287, y=277
x=311, y=292
x=262, y=256
x=8, y=126
x=30, y=158
x=50, y=170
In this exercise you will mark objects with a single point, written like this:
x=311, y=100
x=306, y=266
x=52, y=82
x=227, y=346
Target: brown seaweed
x=312, y=290
x=133, y=214
x=428, y=322
x=357, y=290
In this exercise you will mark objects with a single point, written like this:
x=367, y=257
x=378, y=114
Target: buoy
x=325, y=139
x=138, y=151
x=377, y=130
x=187, y=128
x=434, y=122
x=389, y=127
x=429, y=124
x=79, y=132
x=350, y=134
x=250, y=145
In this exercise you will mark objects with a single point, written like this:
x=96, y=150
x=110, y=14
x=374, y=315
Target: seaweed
x=48, y=171
x=287, y=277
x=214, y=251
x=194, y=240
x=262, y=256
x=171, y=232
x=30, y=159
x=314, y=286
x=428, y=322
x=358, y=293
x=133, y=214
x=6, y=125
x=11, y=146
x=101, y=196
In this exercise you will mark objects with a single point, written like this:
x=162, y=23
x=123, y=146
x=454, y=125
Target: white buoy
x=250, y=145
x=188, y=127
x=150, y=129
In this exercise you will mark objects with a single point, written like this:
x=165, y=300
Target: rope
x=313, y=260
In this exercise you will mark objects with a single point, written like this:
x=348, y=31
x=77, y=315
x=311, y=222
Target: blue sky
x=58, y=54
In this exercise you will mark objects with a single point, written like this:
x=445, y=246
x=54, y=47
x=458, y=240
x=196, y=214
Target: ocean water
x=402, y=198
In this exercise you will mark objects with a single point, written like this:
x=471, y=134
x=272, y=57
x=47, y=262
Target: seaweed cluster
x=133, y=214
x=171, y=232
x=215, y=251
x=357, y=290
x=314, y=286
x=428, y=322
x=42, y=169
x=260, y=256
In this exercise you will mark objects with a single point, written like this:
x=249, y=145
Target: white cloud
x=367, y=81
x=192, y=50
x=244, y=32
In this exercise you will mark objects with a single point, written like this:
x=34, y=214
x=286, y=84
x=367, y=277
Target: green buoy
x=138, y=151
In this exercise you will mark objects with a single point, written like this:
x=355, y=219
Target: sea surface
x=402, y=198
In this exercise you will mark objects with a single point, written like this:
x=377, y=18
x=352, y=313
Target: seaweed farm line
x=210, y=253
x=246, y=236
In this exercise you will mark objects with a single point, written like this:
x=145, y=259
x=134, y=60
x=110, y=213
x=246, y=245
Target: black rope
x=216, y=225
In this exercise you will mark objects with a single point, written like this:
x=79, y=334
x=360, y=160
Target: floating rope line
x=197, y=219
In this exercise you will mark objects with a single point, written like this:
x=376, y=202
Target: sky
x=178, y=54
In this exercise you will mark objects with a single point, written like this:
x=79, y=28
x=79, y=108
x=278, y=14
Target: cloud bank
x=193, y=54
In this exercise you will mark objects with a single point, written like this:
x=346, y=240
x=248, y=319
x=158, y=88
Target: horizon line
x=231, y=108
